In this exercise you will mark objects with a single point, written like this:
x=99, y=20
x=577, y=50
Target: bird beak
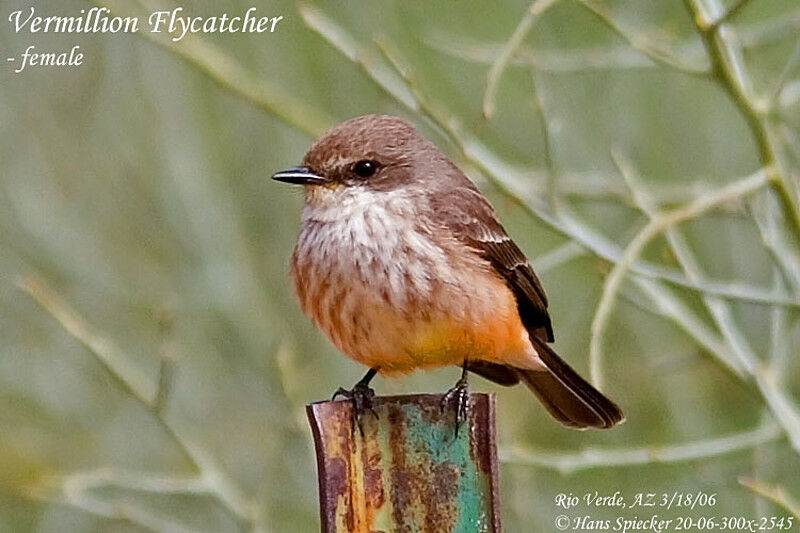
x=299, y=176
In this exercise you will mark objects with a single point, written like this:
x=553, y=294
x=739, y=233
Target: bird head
x=371, y=152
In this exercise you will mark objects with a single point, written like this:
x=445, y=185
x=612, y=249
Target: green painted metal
x=407, y=471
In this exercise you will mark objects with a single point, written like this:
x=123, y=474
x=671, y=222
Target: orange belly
x=445, y=344
x=449, y=338
x=476, y=319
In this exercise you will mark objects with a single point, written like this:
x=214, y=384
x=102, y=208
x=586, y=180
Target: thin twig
x=734, y=191
x=89, y=480
x=768, y=378
x=769, y=219
x=779, y=349
x=732, y=11
x=783, y=408
x=717, y=307
x=615, y=57
x=776, y=494
x=608, y=250
x=601, y=185
x=551, y=182
x=123, y=511
x=612, y=57
x=118, y=366
x=644, y=45
x=558, y=256
x=769, y=31
x=510, y=49
x=136, y=385
x=233, y=76
x=780, y=406
x=728, y=66
x=568, y=463
x=166, y=357
x=729, y=70
x=387, y=79
x=774, y=94
x=764, y=376
x=687, y=319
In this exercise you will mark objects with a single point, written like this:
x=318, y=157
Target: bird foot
x=361, y=396
x=459, y=396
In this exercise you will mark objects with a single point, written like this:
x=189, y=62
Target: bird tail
x=571, y=400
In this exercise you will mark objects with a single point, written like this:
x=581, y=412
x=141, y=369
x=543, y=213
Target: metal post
x=408, y=472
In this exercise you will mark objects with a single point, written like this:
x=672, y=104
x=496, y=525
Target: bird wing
x=468, y=215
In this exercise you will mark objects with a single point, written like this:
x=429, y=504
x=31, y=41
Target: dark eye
x=365, y=168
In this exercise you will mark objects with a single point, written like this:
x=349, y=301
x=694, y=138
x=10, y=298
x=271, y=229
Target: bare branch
x=776, y=494
x=729, y=70
x=774, y=96
x=558, y=256
x=568, y=463
x=386, y=78
x=779, y=349
x=136, y=385
x=608, y=250
x=612, y=57
x=88, y=480
x=510, y=49
x=166, y=359
x=654, y=228
x=765, y=379
x=770, y=220
x=769, y=31
x=129, y=377
x=644, y=45
x=785, y=410
x=731, y=13
x=616, y=57
x=550, y=184
x=674, y=308
x=717, y=307
x=233, y=76
x=124, y=511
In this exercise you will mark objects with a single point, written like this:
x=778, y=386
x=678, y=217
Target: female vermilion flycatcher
x=403, y=264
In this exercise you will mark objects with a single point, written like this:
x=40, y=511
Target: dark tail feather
x=567, y=396
x=500, y=374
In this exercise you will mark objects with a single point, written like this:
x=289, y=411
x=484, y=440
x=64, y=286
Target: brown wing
x=470, y=217
x=566, y=395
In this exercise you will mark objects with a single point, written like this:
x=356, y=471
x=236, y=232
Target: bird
x=404, y=265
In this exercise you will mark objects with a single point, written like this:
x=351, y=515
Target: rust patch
x=373, y=482
x=430, y=406
x=401, y=489
x=407, y=473
x=441, y=511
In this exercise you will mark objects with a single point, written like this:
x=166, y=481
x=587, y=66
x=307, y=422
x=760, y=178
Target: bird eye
x=365, y=168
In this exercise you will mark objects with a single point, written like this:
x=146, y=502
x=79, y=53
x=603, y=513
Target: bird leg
x=460, y=394
x=361, y=395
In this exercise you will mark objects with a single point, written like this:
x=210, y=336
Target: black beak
x=299, y=176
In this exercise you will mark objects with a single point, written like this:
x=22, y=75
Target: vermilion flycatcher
x=403, y=264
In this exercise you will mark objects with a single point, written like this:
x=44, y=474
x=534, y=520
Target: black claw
x=459, y=395
x=361, y=397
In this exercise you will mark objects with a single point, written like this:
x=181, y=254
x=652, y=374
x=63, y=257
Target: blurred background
x=154, y=365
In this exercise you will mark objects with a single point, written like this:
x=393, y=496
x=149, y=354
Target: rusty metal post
x=408, y=472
